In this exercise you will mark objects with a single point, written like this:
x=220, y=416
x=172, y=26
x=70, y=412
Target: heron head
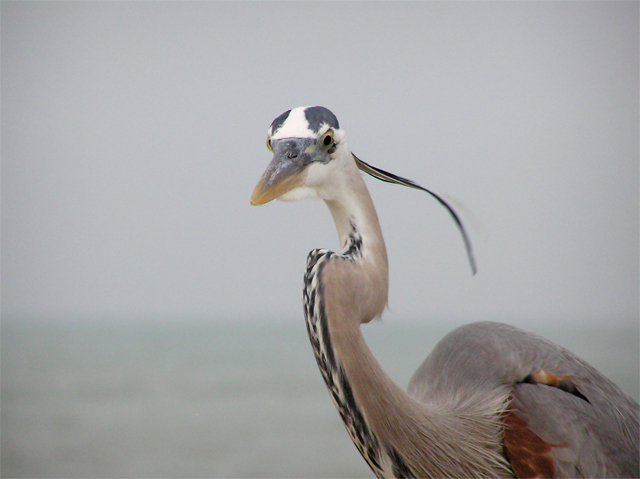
x=303, y=141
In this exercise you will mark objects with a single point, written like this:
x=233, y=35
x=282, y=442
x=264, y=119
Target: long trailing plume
x=391, y=178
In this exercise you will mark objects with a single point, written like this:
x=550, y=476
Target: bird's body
x=489, y=401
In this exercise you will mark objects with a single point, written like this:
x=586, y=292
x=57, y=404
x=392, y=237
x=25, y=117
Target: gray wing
x=585, y=426
x=582, y=440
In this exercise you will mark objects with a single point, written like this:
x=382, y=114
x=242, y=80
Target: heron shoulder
x=489, y=355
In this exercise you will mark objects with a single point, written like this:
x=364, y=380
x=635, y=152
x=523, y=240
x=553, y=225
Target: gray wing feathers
x=595, y=438
x=587, y=442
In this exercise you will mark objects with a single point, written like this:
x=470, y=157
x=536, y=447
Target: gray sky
x=134, y=133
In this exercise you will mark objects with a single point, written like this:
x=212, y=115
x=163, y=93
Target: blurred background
x=151, y=318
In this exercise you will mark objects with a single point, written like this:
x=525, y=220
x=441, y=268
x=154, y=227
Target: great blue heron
x=489, y=401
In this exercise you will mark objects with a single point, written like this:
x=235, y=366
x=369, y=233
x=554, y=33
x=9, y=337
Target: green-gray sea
x=191, y=399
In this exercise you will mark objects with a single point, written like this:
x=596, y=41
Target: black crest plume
x=391, y=178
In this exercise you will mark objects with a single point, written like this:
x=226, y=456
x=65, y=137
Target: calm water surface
x=193, y=400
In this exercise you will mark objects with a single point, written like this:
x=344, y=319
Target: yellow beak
x=291, y=156
x=270, y=187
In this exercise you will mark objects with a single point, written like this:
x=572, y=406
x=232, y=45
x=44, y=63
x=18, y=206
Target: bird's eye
x=269, y=144
x=328, y=138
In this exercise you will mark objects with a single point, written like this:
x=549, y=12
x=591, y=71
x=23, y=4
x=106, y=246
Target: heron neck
x=356, y=219
x=355, y=212
x=392, y=430
x=354, y=292
x=392, y=416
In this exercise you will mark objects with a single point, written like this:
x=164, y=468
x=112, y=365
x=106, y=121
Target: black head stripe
x=318, y=115
x=278, y=122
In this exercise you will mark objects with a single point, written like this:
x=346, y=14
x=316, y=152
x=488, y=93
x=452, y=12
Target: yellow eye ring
x=269, y=144
x=328, y=138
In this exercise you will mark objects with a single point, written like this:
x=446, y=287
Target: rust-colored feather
x=529, y=455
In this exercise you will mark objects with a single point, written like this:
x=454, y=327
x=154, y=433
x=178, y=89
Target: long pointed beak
x=275, y=183
x=286, y=171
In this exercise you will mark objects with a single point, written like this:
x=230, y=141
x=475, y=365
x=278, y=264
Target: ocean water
x=144, y=399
